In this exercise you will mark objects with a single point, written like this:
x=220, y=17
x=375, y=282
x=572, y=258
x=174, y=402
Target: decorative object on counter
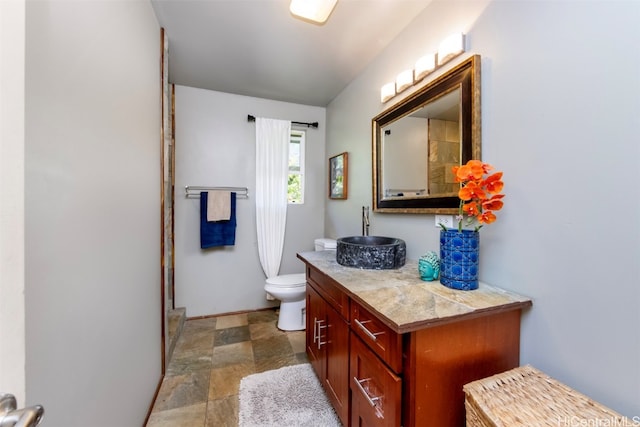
x=429, y=266
x=460, y=255
x=479, y=196
x=459, y=249
x=371, y=252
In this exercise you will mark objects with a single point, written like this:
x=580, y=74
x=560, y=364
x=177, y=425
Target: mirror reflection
x=417, y=141
x=419, y=149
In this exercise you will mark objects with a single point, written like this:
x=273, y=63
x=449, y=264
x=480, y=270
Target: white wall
x=92, y=211
x=215, y=146
x=12, y=310
x=560, y=108
x=405, y=150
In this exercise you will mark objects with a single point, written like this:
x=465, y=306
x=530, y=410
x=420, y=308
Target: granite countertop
x=404, y=301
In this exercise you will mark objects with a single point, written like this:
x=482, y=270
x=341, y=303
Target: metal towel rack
x=192, y=192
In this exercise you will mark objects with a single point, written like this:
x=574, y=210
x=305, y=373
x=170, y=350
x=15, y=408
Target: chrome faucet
x=365, y=220
x=12, y=417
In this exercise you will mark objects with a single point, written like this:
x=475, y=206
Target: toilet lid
x=326, y=243
x=288, y=280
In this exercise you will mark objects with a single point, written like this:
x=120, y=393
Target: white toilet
x=290, y=290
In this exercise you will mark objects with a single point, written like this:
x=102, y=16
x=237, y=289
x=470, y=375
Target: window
x=295, y=189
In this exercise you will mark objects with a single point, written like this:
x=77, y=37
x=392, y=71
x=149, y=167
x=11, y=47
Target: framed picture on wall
x=338, y=176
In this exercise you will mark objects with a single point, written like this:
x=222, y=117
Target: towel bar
x=192, y=191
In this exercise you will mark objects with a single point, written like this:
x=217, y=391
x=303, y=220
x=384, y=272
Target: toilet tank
x=325, y=244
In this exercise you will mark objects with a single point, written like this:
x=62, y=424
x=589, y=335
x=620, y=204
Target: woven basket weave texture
x=524, y=396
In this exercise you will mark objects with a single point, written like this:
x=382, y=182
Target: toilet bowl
x=290, y=289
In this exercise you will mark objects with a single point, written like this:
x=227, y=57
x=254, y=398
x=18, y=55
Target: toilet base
x=292, y=315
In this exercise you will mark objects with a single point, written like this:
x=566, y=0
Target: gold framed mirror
x=416, y=142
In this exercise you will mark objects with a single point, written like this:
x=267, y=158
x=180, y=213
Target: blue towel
x=217, y=233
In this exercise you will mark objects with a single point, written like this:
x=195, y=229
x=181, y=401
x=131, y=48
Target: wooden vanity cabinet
x=441, y=359
x=413, y=375
x=327, y=341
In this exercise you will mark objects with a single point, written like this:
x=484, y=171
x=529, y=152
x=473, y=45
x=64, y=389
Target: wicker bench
x=525, y=396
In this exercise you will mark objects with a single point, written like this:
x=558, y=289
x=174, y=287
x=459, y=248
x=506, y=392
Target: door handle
x=10, y=416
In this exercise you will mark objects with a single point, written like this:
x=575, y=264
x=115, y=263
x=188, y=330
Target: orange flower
x=486, y=217
x=479, y=197
x=471, y=191
x=494, y=203
x=472, y=171
x=493, y=183
x=470, y=209
x=486, y=167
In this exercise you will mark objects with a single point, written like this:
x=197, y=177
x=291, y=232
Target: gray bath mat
x=289, y=396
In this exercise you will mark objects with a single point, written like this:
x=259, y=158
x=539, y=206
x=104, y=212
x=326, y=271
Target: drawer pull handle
x=372, y=335
x=373, y=401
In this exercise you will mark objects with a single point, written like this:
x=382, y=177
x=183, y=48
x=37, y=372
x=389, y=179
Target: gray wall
x=560, y=110
x=215, y=146
x=92, y=195
x=12, y=310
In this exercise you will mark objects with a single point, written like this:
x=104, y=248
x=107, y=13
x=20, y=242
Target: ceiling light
x=313, y=10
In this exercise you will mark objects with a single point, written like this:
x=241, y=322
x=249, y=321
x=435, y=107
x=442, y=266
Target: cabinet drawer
x=329, y=290
x=376, y=392
x=379, y=337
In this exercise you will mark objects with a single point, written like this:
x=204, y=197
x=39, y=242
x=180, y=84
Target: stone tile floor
x=212, y=355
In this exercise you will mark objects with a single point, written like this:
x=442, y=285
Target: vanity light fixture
x=450, y=47
x=404, y=80
x=316, y=11
x=424, y=66
x=387, y=92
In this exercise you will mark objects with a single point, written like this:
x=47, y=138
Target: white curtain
x=272, y=170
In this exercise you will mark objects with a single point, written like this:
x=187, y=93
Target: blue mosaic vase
x=459, y=258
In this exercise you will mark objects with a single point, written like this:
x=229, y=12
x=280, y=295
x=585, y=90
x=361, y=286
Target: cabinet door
x=327, y=340
x=315, y=331
x=376, y=391
x=337, y=365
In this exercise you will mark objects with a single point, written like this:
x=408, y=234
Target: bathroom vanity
x=391, y=350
